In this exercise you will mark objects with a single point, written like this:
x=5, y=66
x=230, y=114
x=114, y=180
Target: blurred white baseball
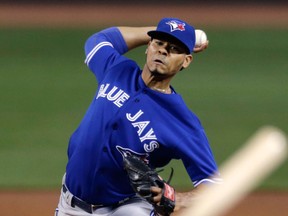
x=201, y=37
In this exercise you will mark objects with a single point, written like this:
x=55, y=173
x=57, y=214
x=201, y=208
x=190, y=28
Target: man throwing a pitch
x=136, y=122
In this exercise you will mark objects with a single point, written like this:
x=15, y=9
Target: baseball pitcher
x=136, y=122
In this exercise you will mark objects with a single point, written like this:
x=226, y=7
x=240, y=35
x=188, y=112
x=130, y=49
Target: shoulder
x=182, y=111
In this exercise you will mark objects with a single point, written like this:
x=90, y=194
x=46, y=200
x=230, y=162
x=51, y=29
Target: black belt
x=75, y=201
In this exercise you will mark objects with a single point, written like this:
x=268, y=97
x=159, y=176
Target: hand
x=201, y=48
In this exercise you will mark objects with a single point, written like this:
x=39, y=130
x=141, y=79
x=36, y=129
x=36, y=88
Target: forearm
x=185, y=199
x=135, y=36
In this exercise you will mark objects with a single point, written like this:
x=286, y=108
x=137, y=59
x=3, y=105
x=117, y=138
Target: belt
x=75, y=201
x=89, y=208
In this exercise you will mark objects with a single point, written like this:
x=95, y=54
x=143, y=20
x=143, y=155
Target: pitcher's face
x=166, y=58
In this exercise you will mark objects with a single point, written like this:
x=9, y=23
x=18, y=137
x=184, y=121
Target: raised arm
x=135, y=36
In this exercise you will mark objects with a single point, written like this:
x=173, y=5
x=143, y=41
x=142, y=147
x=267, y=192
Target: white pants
x=134, y=206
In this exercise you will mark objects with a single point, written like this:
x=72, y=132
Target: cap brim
x=167, y=36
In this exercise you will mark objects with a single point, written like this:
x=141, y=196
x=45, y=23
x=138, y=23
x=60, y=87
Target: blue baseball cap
x=174, y=28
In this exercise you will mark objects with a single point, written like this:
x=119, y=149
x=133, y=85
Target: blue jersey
x=127, y=117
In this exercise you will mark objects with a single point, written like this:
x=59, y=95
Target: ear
x=188, y=59
x=147, y=47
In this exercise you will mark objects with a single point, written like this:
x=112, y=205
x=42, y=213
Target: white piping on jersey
x=207, y=180
x=95, y=49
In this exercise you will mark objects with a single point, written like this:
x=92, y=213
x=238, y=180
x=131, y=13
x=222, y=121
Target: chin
x=158, y=73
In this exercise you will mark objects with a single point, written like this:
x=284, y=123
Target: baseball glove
x=142, y=177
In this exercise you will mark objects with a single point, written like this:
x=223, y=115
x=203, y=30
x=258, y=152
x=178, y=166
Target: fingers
x=157, y=194
x=201, y=48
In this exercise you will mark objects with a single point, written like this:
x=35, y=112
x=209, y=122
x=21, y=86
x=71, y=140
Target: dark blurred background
x=145, y=2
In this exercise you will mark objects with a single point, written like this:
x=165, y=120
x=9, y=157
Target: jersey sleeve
x=104, y=49
x=196, y=154
x=204, y=168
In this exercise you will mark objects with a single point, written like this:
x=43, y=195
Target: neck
x=166, y=90
x=160, y=83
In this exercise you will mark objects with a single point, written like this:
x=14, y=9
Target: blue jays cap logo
x=176, y=25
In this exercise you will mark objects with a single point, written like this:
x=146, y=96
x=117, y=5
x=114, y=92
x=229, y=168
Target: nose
x=163, y=49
